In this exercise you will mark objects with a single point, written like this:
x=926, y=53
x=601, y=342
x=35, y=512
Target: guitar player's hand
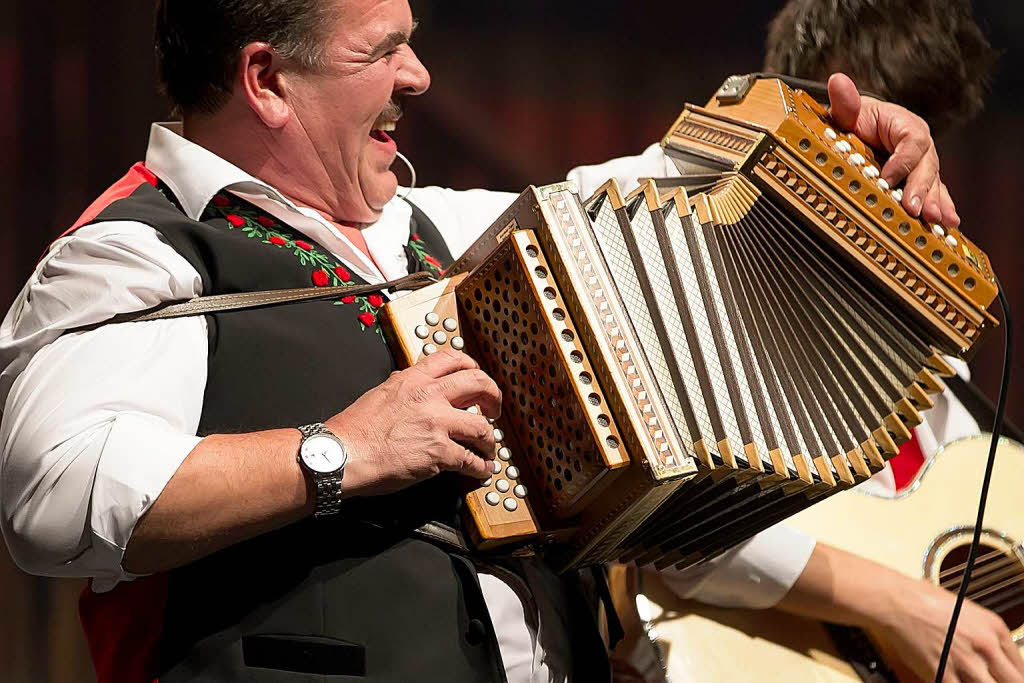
x=910, y=616
x=982, y=649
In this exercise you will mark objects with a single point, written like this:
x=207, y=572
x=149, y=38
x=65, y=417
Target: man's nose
x=415, y=79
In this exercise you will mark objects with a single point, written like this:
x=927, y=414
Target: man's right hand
x=412, y=426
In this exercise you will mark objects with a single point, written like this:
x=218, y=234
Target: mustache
x=393, y=111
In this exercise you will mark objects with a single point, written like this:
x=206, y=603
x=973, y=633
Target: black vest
x=354, y=596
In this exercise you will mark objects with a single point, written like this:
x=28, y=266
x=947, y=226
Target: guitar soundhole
x=997, y=580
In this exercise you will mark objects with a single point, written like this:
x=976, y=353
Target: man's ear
x=261, y=83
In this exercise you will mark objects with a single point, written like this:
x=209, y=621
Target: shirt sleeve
x=626, y=171
x=463, y=215
x=95, y=423
x=755, y=574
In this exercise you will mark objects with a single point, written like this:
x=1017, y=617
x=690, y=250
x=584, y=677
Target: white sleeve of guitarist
x=759, y=572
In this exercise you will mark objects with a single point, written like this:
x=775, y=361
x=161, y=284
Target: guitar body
x=923, y=532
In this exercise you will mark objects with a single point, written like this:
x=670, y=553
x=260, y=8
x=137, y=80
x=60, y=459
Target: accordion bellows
x=688, y=364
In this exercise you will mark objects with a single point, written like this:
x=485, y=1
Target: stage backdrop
x=522, y=92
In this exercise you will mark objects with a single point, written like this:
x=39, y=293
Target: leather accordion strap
x=217, y=303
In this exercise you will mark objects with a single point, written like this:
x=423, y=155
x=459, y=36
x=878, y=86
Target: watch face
x=323, y=453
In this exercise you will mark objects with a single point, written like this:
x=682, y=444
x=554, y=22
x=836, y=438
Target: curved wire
x=983, y=499
x=412, y=172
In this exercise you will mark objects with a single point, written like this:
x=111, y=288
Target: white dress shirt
x=96, y=423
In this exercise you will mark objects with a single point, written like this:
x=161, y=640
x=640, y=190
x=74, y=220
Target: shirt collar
x=195, y=174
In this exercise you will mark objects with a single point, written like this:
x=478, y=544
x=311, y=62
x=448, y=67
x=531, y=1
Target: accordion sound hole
x=523, y=350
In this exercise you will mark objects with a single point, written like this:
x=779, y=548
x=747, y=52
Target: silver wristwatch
x=323, y=456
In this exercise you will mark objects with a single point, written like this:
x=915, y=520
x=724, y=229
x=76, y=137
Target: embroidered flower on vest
x=419, y=250
x=324, y=270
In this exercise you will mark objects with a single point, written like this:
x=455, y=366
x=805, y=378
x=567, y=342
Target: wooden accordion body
x=689, y=364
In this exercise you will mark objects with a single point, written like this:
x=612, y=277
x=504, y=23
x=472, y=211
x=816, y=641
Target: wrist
x=323, y=458
x=891, y=602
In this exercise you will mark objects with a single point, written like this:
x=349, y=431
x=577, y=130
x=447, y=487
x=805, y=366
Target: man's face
x=344, y=114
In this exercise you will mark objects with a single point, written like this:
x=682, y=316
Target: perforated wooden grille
x=528, y=344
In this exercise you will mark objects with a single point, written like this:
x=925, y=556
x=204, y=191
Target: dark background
x=522, y=92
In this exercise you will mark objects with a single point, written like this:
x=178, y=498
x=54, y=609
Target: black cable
x=997, y=427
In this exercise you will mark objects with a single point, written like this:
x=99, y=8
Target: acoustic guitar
x=925, y=531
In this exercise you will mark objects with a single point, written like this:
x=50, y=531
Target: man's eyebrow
x=393, y=40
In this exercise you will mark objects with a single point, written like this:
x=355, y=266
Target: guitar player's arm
x=784, y=568
x=909, y=614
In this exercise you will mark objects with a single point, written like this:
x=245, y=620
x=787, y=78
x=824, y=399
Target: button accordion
x=687, y=364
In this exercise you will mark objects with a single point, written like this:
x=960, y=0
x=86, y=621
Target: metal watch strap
x=328, y=494
x=328, y=486
x=314, y=429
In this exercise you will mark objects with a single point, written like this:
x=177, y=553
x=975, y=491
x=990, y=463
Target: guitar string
x=1014, y=600
x=999, y=580
x=993, y=597
x=959, y=569
x=990, y=567
x=1003, y=584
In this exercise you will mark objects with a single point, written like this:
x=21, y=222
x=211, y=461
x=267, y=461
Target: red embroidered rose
x=305, y=246
x=376, y=300
x=431, y=260
x=265, y=222
x=234, y=220
x=342, y=274
x=367, y=318
x=416, y=238
x=320, y=278
x=277, y=239
x=220, y=200
x=348, y=299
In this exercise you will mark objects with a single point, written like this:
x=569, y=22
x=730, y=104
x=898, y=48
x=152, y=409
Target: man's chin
x=380, y=191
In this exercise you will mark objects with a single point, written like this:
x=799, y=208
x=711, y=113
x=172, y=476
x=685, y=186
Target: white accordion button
x=897, y=194
x=487, y=481
x=512, y=472
x=495, y=467
x=857, y=159
x=511, y=504
x=520, y=491
x=473, y=409
x=882, y=184
x=502, y=485
x=492, y=498
x=457, y=343
x=950, y=240
x=450, y=324
x=499, y=435
x=440, y=337
x=422, y=331
x=504, y=453
x=871, y=172
x=432, y=318
x=830, y=134
x=843, y=146
x=938, y=231
x=429, y=349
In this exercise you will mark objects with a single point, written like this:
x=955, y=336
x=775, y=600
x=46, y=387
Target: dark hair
x=198, y=43
x=927, y=55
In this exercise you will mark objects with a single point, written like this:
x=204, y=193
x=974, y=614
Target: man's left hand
x=907, y=138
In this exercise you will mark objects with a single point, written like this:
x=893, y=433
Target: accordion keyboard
x=498, y=505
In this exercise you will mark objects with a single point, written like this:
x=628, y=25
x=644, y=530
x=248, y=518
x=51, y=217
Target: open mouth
x=381, y=130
